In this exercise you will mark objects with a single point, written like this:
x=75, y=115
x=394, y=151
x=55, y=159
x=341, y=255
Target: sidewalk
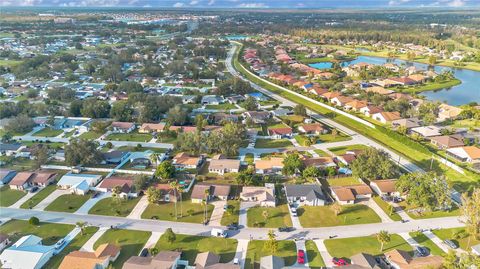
x=217, y=213
x=139, y=208
x=327, y=258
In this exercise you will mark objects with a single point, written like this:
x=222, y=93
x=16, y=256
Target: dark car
x=144, y=252
x=421, y=251
x=285, y=229
x=233, y=227
x=301, y=256
x=33, y=189
x=339, y=261
x=450, y=244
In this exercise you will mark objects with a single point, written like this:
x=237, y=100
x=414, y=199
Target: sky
x=251, y=4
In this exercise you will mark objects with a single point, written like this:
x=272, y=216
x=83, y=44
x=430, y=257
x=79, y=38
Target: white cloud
x=252, y=5
x=132, y=2
x=211, y=2
x=178, y=4
x=300, y=5
x=398, y=2
x=193, y=2
x=456, y=3
x=20, y=2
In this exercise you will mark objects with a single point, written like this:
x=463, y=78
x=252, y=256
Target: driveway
x=241, y=252
x=217, y=213
x=54, y=195
x=295, y=220
x=327, y=258
x=152, y=241
x=91, y=202
x=409, y=239
x=25, y=198
x=375, y=207
x=300, y=245
x=88, y=246
x=439, y=242
x=68, y=238
x=139, y=208
x=242, y=215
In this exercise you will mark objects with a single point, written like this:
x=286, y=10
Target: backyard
x=192, y=212
x=113, y=206
x=67, y=203
x=277, y=217
x=324, y=216
x=133, y=136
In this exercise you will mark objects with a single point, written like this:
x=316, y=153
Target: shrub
x=34, y=221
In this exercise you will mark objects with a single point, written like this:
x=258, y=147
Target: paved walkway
x=375, y=207
x=139, y=208
x=327, y=258
x=217, y=213
x=295, y=220
x=409, y=239
x=436, y=240
x=152, y=241
x=242, y=215
x=25, y=198
x=91, y=202
x=88, y=246
x=68, y=238
x=241, y=252
x=314, y=154
x=49, y=199
x=300, y=244
x=399, y=210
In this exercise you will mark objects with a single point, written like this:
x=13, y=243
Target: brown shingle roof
x=21, y=178
x=43, y=178
x=385, y=185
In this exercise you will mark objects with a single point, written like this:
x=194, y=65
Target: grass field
x=324, y=216
x=37, y=198
x=67, y=203
x=343, y=181
x=286, y=249
x=49, y=232
x=343, y=150
x=228, y=218
x=225, y=106
x=9, y=63
x=166, y=211
x=321, y=153
x=315, y=260
x=431, y=86
x=459, y=236
x=424, y=241
x=90, y=135
x=249, y=158
x=277, y=217
x=429, y=214
x=347, y=247
x=8, y=197
x=385, y=207
x=48, y=132
x=131, y=243
x=272, y=143
x=133, y=136
x=326, y=138
x=191, y=245
x=114, y=207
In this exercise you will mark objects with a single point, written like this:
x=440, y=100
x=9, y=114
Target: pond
x=468, y=91
x=236, y=37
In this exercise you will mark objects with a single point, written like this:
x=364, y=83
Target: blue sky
x=247, y=3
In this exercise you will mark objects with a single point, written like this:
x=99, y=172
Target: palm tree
x=383, y=237
x=81, y=225
x=265, y=215
x=154, y=158
x=206, y=194
x=337, y=208
x=174, y=186
x=179, y=189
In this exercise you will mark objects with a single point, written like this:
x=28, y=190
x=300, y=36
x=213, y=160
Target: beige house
x=164, y=259
x=265, y=196
x=351, y=194
x=99, y=259
x=446, y=112
x=221, y=166
x=384, y=187
x=151, y=128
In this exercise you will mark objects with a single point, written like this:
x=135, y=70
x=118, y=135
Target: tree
x=271, y=245
x=82, y=225
x=165, y=170
x=206, y=195
x=34, y=221
x=130, y=86
x=311, y=172
x=373, y=164
x=291, y=164
x=432, y=60
x=153, y=195
x=265, y=215
x=471, y=213
x=6, y=137
x=19, y=124
x=450, y=260
x=250, y=103
x=170, y=236
x=121, y=111
x=177, y=115
x=140, y=182
x=153, y=251
x=337, y=208
x=247, y=177
x=300, y=110
x=383, y=237
x=82, y=152
x=174, y=186
x=96, y=109
x=40, y=153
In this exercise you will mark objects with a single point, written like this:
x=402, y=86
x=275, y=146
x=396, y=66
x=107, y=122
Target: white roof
x=427, y=131
x=27, y=252
x=83, y=186
x=74, y=179
x=460, y=152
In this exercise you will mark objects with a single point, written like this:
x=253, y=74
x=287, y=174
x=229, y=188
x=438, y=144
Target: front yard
x=191, y=245
x=90, y=135
x=131, y=243
x=273, y=143
x=386, y=208
x=277, y=217
x=49, y=232
x=324, y=216
x=9, y=197
x=229, y=218
x=414, y=214
x=286, y=249
x=192, y=212
x=67, y=203
x=315, y=260
x=48, y=132
x=343, y=149
x=37, y=198
x=113, y=206
x=347, y=247
x=327, y=138
x=133, y=136
x=459, y=236
x=424, y=241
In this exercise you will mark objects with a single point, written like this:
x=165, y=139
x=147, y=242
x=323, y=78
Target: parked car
x=294, y=212
x=301, y=256
x=225, y=207
x=450, y=244
x=421, y=251
x=235, y=261
x=339, y=261
x=144, y=252
x=33, y=189
x=285, y=229
x=219, y=233
x=59, y=243
x=233, y=227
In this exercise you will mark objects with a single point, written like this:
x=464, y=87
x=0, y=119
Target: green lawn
x=347, y=247
x=272, y=143
x=9, y=63
x=429, y=214
x=133, y=136
x=8, y=197
x=303, y=140
x=131, y=243
x=430, y=86
x=321, y=153
x=277, y=217
x=90, y=135
x=459, y=236
x=114, y=207
x=343, y=181
x=224, y=106
x=18, y=164
x=324, y=216
x=424, y=241
x=48, y=132
x=385, y=207
x=315, y=260
x=191, y=245
x=344, y=149
x=49, y=232
x=67, y=203
x=156, y=150
x=37, y=198
x=286, y=249
x=326, y=138
x=228, y=218
x=166, y=211
x=75, y=244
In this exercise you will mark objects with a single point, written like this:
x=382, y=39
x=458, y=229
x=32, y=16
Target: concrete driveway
x=25, y=198
x=49, y=199
x=91, y=202
x=139, y=208
x=242, y=215
x=217, y=213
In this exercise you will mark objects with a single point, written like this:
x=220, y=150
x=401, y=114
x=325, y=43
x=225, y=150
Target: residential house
x=312, y=129
x=269, y=166
x=282, y=112
x=407, y=123
x=330, y=95
x=100, y=259
x=364, y=261
x=4, y=241
x=447, y=141
x=22, y=181
x=210, y=260
x=114, y=157
x=465, y=154
x=212, y=100
x=309, y=194
x=27, y=252
x=320, y=162
x=257, y=96
x=341, y=100
x=379, y=90
x=351, y=194
x=147, y=128
x=184, y=161
x=164, y=259
x=264, y=196
x=355, y=105
x=221, y=118
x=43, y=179
x=199, y=192
x=427, y=131
x=6, y=175
x=220, y=165
x=384, y=187
x=258, y=117
x=125, y=184
x=122, y=127
x=446, y=112
x=78, y=183
x=280, y=132
x=386, y=117
x=234, y=99
x=403, y=81
x=370, y=110
x=10, y=149
x=167, y=194
x=400, y=259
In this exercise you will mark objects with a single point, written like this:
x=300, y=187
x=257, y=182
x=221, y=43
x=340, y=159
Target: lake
x=468, y=91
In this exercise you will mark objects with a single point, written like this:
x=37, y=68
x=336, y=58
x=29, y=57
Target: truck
x=219, y=232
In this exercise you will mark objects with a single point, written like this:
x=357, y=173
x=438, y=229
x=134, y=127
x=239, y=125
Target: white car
x=59, y=243
x=235, y=261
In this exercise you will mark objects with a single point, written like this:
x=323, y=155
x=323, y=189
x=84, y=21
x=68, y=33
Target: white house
x=78, y=183
x=384, y=187
x=27, y=253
